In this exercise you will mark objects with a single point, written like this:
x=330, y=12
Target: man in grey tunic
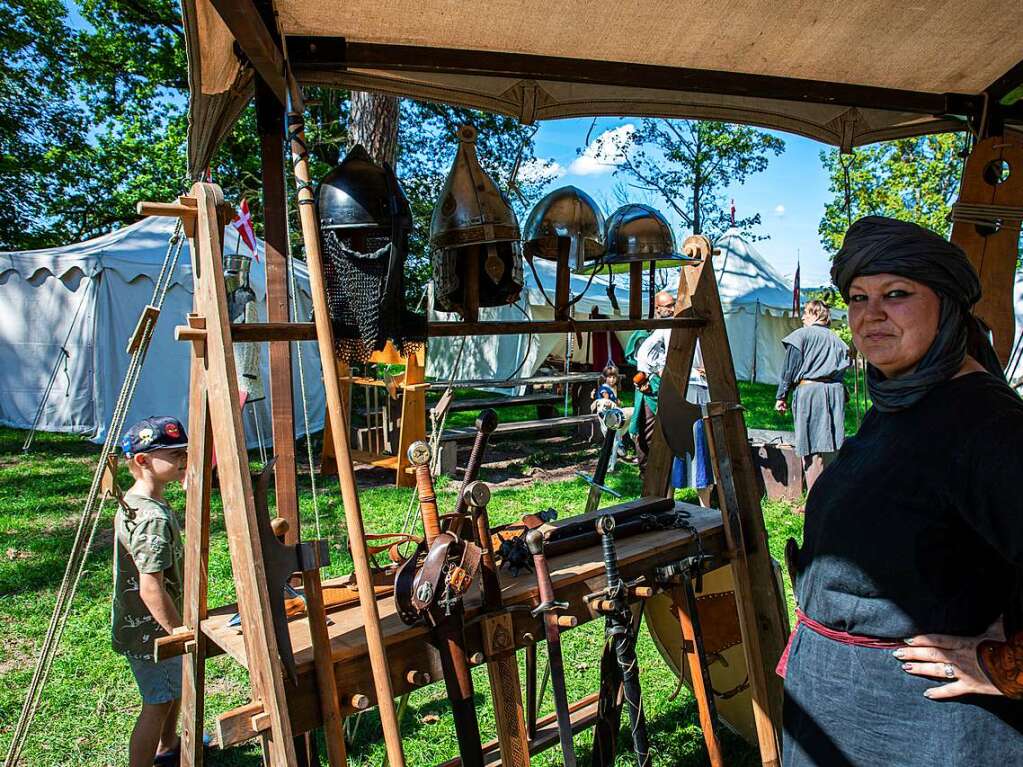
x=815, y=361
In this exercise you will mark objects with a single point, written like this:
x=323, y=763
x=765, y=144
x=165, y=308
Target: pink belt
x=843, y=637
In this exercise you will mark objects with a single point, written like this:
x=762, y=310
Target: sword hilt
x=419, y=455
x=605, y=528
x=486, y=422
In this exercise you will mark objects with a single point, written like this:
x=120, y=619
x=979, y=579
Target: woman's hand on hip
x=781, y=405
x=952, y=659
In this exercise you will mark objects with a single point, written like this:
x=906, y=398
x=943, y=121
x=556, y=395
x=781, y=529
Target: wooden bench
x=451, y=437
x=533, y=398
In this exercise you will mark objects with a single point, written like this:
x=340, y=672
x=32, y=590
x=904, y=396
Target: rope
x=301, y=386
x=994, y=216
x=91, y=513
x=546, y=298
x=846, y=166
x=62, y=357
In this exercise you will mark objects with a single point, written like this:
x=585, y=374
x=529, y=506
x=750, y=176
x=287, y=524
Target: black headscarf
x=878, y=245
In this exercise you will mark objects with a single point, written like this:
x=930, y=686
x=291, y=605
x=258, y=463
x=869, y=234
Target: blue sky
x=790, y=195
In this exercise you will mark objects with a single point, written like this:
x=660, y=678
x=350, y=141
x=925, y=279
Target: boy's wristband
x=1003, y=664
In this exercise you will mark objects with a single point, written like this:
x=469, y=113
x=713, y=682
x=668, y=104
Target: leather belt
x=417, y=591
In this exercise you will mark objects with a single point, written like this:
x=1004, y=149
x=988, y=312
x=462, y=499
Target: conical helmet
x=637, y=232
x=566, y=213
x=361, y=194
x=474, y=231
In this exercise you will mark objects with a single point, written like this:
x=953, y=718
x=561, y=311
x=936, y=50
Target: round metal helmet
x=361, y=194
x=471, y=209
x=567, y=213
x=637, y=232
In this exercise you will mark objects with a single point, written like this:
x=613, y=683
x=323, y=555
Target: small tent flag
x=796, y=308
x=243, y=223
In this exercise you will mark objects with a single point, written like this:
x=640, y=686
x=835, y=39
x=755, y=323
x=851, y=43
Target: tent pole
x=756, y=322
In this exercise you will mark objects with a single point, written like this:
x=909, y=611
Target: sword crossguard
x=548, y=607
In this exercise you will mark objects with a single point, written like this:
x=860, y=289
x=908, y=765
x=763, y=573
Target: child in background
x=148, y=583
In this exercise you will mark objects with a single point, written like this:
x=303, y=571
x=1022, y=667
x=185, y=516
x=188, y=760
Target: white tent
x=514, y=356
x=74, y=308
x=757, y=302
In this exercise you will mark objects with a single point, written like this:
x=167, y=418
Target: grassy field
x=90, y=702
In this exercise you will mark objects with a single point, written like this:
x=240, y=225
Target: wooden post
x=323, y=660
x=756, y=596
x=339, y=433
x=197, y=551
x=698, y=674
x=635, y=290
x=698, y=297
x=992, y=252
x=413, y=414
x=240, y=521
x=471, y=285
x=563, y=279
x=270, y=124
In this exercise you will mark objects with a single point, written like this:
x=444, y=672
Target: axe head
x=676, y=416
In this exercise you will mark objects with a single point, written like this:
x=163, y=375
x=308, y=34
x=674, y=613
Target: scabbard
x=449, y=639
x=600, y=472
x=609, y=710
x=619, y=633
x=584, y=522
x=554, y=656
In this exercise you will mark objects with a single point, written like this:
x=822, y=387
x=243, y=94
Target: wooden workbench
x=575, y=575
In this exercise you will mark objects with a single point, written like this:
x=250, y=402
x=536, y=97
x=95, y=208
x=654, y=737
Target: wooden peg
x=476, y=659
x=418, y=678
x=567, y=621
x=359, y=702
x=642, y=592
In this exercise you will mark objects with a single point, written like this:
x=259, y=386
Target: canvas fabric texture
x=150, y=542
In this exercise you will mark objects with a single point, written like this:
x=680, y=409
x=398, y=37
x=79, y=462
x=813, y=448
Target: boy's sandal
x=173, y=758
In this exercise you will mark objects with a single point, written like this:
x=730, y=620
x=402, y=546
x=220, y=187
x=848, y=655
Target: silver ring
x=950, y=671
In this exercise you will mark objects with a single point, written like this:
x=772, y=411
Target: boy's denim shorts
x=158, y=682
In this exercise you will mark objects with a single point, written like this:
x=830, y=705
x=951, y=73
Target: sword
x=613, y=420
x=549, y=608
x=498, y=640
x=446, y=618
x=486, y=422
x=619, y=633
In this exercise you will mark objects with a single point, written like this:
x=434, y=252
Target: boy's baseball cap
x=153, y=433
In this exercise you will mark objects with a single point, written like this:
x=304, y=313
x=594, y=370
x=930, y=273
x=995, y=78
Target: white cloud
x=536, y=170
x=779, y=210
x=600, y=156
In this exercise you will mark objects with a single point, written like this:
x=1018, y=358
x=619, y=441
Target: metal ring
x=950, y=671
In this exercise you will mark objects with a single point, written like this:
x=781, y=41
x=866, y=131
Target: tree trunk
x=373, y=122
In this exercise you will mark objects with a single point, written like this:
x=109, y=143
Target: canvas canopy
x=756, y=300
x=845, y=74
x=86, y=299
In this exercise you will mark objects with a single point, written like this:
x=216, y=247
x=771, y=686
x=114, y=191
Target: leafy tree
x=913, y=179
x=688, y=164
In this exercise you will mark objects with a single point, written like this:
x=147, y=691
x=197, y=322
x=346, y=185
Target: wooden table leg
x=692, y=641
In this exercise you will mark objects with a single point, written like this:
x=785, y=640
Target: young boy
x=147, y=583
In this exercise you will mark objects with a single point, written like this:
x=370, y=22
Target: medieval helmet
x=571, y=214
x=360, y=194
x=474, y=221
x=637, y=232
x=365, y=222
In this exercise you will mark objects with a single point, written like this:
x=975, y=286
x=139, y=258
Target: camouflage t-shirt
x=147, y=542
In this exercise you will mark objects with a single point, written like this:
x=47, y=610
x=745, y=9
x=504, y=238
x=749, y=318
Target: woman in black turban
x=907, y=581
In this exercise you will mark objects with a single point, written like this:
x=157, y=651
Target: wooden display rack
x=366, y=656
x=411, y=388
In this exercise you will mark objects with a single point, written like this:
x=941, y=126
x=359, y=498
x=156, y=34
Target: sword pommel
x=613, y=419
x=486, y=421
x=477, y=494
x=534, y=541
x=605, y=525
x=419, y=453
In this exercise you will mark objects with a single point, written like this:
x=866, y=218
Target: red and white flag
x=242, y=222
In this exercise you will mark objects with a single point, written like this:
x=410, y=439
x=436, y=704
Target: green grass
x=90, y=702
